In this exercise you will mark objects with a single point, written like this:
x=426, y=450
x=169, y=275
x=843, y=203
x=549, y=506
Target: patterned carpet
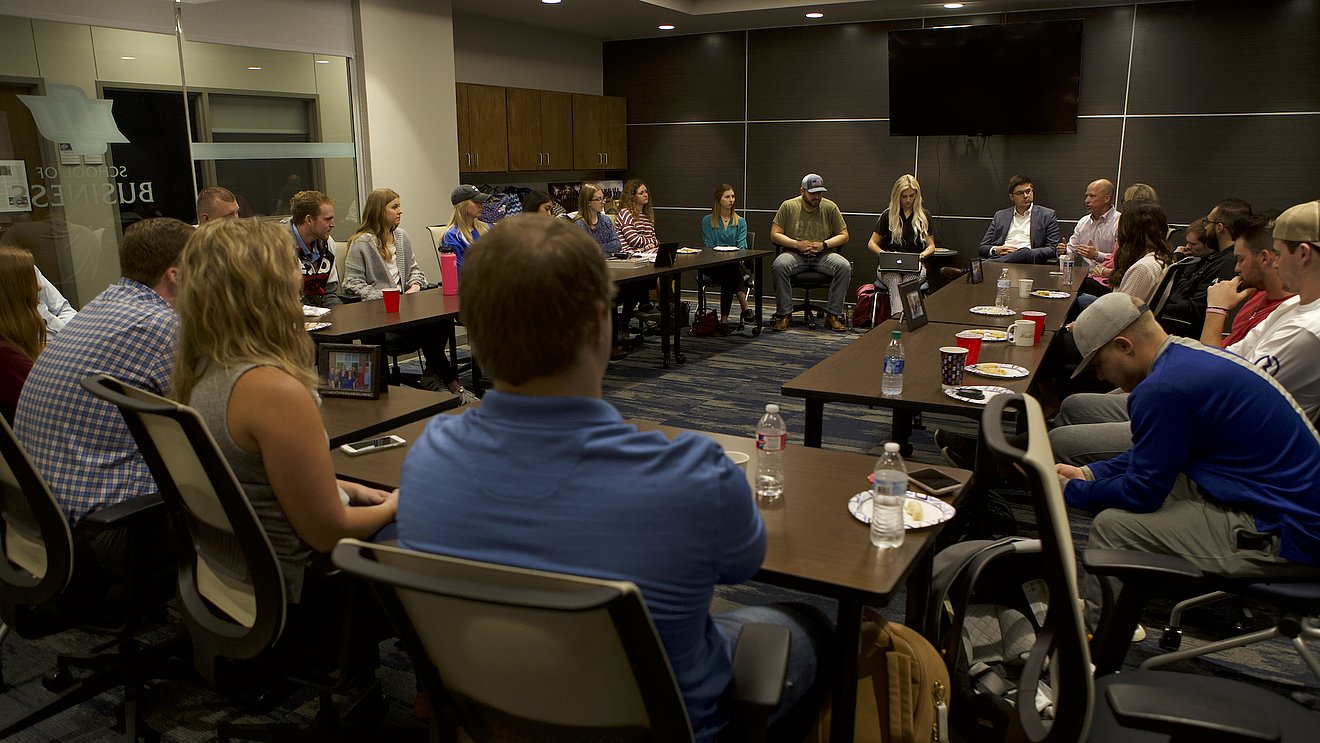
x=723, y=388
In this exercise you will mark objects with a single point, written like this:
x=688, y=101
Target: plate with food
x=976, y=394
x=992, y=309
x=987, y=335
x=727, y=248
x=688, y=251
x=1050, y=294
x=1003, y=371
x=310, y=326
x=919, y=511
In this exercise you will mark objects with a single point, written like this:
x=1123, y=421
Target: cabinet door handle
x=607, y=158
x=468, y=161
x=547, y=158
x=476, y=159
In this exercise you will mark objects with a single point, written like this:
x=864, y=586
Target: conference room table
x=348, y=419
x=953, y=302
x=813, y=543
x=853, y=375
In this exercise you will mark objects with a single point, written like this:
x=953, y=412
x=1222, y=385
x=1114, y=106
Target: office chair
x=530, y=655
x=808, y=281
x=39, y=595
x=704, y=281
x=230, y=584
x=1139, y=705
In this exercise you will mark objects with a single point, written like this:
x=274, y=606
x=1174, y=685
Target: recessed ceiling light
x=323, y=61
x=254, y=68
x=953, y=6
x=815, y=15
x=666, y=27
x=129, y=58
x=550, y=2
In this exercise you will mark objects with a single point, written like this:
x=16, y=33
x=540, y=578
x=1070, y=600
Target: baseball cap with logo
x=814, y=183
x=1300, y=223
x=467, y=193
x=1101, y=322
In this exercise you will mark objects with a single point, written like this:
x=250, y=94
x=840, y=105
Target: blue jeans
x=811, y=635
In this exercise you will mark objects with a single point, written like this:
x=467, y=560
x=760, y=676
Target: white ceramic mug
x=1023, y=332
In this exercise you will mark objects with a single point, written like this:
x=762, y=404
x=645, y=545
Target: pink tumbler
x=449, y=274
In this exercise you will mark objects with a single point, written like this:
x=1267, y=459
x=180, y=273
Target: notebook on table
x=900, y=262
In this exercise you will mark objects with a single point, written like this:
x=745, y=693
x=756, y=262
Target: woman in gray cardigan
x=380, y=256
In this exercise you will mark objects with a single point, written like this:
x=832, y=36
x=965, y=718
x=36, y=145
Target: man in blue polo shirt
x=1223, y=460
x=547, y=475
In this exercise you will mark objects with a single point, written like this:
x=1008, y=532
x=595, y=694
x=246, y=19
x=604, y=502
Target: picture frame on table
x=348, y=370
x=914, y=304
x=976, y=271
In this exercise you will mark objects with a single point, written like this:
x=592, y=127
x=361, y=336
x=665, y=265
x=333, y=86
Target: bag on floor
x=865, y=303
x=707, y=324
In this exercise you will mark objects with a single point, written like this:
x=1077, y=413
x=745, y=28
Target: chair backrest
x=525, y=654
x=35, y=539
x=230, y=582
x=340, y=250
x=437, y=235
x=1062, y=639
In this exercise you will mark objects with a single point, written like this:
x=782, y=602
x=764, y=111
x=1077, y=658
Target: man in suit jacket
x=1023, y=233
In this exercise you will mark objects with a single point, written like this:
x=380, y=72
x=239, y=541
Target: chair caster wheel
x=57, y=681
x=1171, y=639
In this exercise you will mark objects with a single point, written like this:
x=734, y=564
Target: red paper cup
x=971, y=341
x=1038, y=318
x=391, y=297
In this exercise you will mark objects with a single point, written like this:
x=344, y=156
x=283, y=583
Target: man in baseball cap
x=810, y=229
x=1221, y=469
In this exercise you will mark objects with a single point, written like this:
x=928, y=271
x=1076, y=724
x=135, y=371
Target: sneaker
x=836, y=323
x=952, y=272
x=618, y=353
x=749, y=315
x=781, y=323
x=1139, y=635
x=465, y=397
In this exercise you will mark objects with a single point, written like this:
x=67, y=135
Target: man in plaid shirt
x=79, y=443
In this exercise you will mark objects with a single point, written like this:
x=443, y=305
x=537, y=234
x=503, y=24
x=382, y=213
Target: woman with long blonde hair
x=463, y=227
x=246, y=364
x=724, y=228
x=22, y=331
x=903, y=227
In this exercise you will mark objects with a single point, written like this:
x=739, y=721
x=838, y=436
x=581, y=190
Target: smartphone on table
x=932, y=481
x=369, y=445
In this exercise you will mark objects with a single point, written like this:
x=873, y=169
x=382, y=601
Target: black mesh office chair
x=39, y=595
x=809, y=281
x=529, y=655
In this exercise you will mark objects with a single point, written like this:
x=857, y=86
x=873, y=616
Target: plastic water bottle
x=888, y=496
x=1001, y=289
x=891, y=384
x=771, y=438
x=1066, y=267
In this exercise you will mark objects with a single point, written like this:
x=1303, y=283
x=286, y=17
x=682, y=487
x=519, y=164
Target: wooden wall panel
x=684, y=78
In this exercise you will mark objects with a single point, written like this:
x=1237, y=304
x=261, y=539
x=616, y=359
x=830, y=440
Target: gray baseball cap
x=814, y=183
x=1099, y=323
x=467, y=193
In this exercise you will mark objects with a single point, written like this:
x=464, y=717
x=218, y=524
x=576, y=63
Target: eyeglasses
x=597, y=198
x=1023, y=192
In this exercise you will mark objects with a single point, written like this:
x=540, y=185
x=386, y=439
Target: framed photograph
x=976, y=271
x=914, y=304
x=347, y=370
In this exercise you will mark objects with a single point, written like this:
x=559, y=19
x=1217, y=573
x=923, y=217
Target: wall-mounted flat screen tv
x=1017, y=78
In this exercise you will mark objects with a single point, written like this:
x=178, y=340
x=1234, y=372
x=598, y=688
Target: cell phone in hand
x=370, y=445
x=932, y=481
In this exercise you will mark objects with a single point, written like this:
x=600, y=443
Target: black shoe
x=959, y=450
x=952, y=272
x=749, y=315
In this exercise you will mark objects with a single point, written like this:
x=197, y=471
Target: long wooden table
x=348, y=419
x=358, y=319
x=951, y=304
x=812, y=542
x=853, y=375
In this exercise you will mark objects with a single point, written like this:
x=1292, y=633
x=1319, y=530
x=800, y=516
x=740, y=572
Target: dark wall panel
x=969, y=175
x=682, y=164
x=1271, y=161
x=823, y=72
x=858, y=160
x=1226, y=57
x=1106, y=34
x=685, y=78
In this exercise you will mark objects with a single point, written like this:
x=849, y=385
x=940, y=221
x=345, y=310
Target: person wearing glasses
x=1023, y=233
x=1180, y=301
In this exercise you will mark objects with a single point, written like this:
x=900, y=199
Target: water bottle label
x=894, y=365
x=771, y=442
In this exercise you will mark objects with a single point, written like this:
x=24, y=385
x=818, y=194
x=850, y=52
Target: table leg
x=815, y=423
x=847, y=636
x=918, y=590
x=678, y=326
x=666, y=320
x=760, y=294
x=902, y=430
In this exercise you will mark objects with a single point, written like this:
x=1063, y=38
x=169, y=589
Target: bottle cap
x=895, y=333
x=772, y=408
x=892, y=447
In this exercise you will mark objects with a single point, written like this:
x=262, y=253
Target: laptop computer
x=664, y=254
x=900, y=262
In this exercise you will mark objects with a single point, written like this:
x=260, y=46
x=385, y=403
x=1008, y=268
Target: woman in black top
x=904, y=227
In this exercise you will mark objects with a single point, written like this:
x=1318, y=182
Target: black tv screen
x=1018, y=78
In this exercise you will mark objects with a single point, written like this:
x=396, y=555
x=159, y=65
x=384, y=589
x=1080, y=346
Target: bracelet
x=1216, y=311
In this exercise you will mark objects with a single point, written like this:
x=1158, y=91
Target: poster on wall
x=14, y=187
x=612, y=189
x=566, y=195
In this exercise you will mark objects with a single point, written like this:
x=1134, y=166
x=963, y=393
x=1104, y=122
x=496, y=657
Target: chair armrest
x=1132, y=564
x=1187, y=715
x=124, y=513
x=760, y=664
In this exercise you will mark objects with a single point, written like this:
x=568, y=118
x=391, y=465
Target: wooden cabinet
x=600, y=132
x=482, y=129
x=540, y=129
